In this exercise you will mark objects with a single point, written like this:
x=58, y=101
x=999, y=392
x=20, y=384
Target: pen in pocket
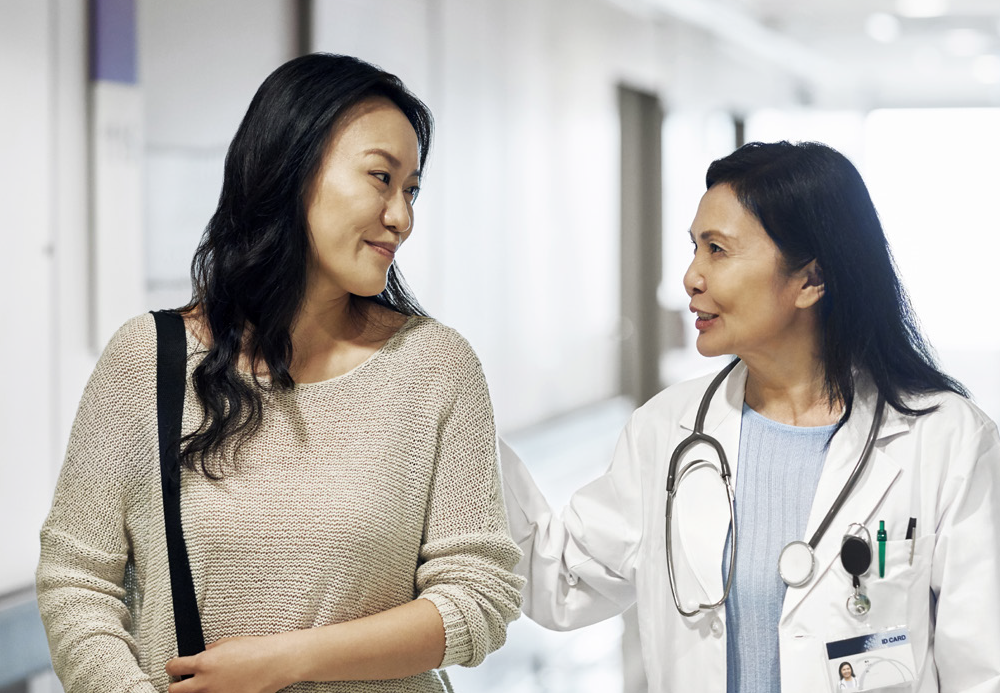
x=911, y=534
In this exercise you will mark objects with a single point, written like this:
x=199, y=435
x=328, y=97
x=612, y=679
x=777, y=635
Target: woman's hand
x=232, y=665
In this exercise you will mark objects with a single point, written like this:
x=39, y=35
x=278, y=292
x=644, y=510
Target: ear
x=812, y=287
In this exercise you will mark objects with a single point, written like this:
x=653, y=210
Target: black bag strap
x=171, y=377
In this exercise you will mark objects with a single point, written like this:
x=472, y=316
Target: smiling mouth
x=385, y=249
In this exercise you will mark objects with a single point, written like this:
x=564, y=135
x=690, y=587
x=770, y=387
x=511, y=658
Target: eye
x=382, y=176
x=413, y=191
x=714, y=248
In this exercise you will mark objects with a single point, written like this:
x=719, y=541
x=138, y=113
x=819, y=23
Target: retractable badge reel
x=856, y=557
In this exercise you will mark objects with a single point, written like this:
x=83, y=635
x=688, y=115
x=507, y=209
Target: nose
x=397, y=216
x=694, y=280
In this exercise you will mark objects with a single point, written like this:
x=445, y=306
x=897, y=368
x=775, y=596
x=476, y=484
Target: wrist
x=286, y=660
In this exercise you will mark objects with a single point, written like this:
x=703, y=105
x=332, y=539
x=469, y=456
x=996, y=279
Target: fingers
x=178, y=667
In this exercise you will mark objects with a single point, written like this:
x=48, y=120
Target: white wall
x=26, y=349
x=199, y=65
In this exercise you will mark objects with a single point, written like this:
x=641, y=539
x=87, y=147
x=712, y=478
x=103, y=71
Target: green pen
x=881, y=537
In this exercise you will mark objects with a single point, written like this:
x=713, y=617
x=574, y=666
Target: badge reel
x=856, y=557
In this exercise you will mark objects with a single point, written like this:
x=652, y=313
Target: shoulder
x=132, y=347
x=952, y=414
x=435, y=358
x=434, y=343
x=122, y=383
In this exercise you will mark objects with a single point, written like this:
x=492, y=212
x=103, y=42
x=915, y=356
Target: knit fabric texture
x=776, y=478
x=357, y=494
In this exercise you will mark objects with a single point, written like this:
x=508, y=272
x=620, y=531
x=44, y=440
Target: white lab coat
x=606, y=551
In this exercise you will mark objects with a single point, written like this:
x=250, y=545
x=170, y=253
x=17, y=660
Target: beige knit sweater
x=358, y=494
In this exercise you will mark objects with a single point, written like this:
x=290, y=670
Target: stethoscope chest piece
x=796, y=564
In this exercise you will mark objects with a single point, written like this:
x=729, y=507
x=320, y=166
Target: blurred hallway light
x=921, y=8
x=882, y=27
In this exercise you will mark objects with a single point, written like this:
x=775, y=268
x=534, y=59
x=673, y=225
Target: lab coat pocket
x=902, y=597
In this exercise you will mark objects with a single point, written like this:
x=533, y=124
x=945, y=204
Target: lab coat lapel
x=703, y=526
x=871, y=488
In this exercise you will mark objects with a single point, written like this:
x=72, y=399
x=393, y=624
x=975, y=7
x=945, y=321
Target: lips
x=704, y=319
x=703, y=314
x=385, y=249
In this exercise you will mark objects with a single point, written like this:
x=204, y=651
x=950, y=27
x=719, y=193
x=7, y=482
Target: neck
x=335, y=332
x=790, y=389
x=326, y=318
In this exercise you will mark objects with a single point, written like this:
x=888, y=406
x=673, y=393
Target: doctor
x=792, y=274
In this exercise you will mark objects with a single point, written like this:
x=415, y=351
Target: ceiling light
x=882, y=26
x=921, y=8
x=965, y=43
x=986, y=69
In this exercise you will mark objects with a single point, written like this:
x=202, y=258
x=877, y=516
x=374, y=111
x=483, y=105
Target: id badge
x=872, y=662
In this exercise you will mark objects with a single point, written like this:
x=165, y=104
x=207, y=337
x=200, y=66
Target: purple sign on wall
x=113, y=41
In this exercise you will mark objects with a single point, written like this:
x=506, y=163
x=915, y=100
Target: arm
x=966, y=572
x=84, y=547
x=579, y=565
x=397, y=643
x=467, y=557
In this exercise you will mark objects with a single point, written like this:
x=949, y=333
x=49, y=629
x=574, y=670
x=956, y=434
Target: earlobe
x=813, y=286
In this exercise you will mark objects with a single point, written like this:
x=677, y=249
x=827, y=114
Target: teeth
x=706, y=316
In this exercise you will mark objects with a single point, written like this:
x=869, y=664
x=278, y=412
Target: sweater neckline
x=374, y=356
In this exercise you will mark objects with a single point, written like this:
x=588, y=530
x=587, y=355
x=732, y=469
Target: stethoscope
x=797, y=562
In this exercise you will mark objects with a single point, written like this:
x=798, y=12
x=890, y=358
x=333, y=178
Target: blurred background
x=572, y=141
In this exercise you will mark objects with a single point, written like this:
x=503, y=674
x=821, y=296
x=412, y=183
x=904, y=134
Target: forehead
x=375, y=123
x=721, y=213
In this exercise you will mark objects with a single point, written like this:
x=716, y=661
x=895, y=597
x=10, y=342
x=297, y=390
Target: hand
x=231, y=665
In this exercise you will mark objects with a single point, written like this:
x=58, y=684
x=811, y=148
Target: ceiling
x=873, y=52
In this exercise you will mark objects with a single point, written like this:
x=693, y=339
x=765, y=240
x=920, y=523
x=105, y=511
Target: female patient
x=340, y=490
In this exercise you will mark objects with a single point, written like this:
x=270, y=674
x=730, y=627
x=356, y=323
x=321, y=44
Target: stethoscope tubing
x=699, y=435
x=852, y=481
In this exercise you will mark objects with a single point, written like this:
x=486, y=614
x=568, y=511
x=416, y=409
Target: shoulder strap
x=171, y=377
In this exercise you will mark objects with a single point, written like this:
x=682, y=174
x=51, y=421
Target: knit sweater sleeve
x=84, y=541
x=467, y=557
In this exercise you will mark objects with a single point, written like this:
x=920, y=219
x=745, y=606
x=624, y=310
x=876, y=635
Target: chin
x=370, y=289
x=707, y=350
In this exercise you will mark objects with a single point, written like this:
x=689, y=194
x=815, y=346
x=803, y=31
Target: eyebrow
x=710, y=234
x=393, y=161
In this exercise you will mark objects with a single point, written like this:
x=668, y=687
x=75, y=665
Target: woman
x=340, y=489
x=792, y=274
x=847, y=680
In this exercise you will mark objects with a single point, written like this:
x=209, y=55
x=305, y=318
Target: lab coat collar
x=728, y=401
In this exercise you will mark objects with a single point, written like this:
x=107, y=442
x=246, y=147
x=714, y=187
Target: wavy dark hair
x=814, y=205
x=249, y=271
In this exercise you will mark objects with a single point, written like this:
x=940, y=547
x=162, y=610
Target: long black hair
x=814, y=205
x=249, y=271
